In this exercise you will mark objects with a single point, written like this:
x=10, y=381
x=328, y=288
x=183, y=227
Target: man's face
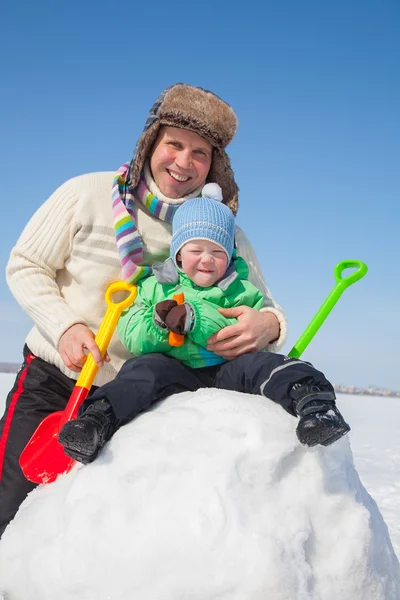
x=180, y=161
x=203, y=262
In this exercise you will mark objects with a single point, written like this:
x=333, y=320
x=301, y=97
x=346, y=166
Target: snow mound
x=207, y=497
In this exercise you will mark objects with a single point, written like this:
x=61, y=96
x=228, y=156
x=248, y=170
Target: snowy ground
x=301, y=515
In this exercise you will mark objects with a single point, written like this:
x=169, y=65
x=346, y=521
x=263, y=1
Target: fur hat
x=188, y=107
x=204, y=218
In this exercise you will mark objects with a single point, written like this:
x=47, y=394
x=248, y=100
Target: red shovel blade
x=43, y=458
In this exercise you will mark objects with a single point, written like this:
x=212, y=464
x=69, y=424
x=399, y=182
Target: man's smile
x=177, y=176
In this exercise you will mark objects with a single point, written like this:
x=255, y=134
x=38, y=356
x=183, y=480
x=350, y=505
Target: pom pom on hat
x=212, y=191
x=205, y=218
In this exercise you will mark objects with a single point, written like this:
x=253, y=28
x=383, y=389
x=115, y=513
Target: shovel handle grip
x=175, y=339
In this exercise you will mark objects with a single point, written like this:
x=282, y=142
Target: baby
x=204, y=266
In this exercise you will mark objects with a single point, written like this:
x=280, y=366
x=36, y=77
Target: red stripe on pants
x=13, y=403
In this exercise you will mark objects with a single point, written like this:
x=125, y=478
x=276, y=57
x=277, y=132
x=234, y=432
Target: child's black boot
x=84, y=437
x=320, y=421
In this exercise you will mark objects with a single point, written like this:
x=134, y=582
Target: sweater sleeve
x=245, y=250
x=42, y=249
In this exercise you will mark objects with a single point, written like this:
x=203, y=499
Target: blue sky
x=316, y=89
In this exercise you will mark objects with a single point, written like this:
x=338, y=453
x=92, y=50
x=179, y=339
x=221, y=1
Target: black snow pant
x=39, y=390
x=146, y=379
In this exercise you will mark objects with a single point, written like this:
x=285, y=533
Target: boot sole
x=78, y=450
x=326, y=440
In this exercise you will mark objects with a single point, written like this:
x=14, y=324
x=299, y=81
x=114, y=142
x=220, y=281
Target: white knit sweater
x=67, y=256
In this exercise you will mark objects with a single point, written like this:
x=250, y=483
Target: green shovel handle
x=341, y=284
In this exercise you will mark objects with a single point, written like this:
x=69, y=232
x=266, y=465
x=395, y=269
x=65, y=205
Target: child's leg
x=296, y=385
x=142, y=381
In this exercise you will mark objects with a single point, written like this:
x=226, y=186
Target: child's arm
x=137, y=328
x=207, y=318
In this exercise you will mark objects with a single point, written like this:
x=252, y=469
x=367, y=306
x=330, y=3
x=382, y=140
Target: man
x=98, y=228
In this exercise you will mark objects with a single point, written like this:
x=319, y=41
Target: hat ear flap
x=142, y=152
x=221, y=173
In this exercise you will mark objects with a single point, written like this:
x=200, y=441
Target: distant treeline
x=9, y=367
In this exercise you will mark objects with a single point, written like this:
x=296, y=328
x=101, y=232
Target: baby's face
x=203, y=262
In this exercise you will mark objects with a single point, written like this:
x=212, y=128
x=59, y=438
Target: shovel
x=43, y=458
x=342, y=283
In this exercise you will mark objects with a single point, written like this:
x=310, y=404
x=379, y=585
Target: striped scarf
x=129, y=242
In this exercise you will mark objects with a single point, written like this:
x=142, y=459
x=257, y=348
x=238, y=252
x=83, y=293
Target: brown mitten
x=180, y=319
x=161, y=310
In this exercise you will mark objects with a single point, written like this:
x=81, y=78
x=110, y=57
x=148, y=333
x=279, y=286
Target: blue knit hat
x=204, y=218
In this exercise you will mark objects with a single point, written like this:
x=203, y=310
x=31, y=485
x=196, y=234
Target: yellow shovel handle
x=106, y=330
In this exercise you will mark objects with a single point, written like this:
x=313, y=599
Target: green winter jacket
x=141, y=335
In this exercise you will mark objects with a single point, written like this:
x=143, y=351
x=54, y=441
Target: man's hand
x=253, y=332
x=72, y=347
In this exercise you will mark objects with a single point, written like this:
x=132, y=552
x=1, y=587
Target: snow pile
x=209, y=496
